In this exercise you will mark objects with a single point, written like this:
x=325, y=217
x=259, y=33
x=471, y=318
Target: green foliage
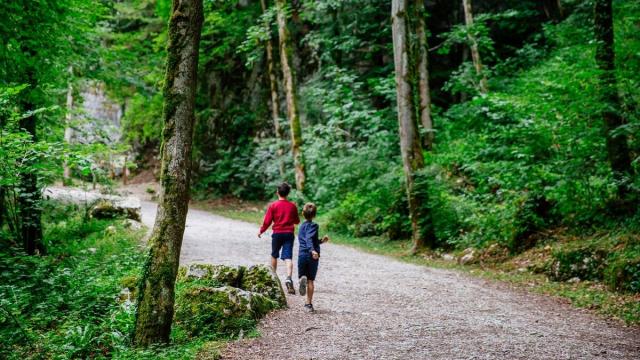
x=143, y=120
x=612, y=258
x=531, y=154
x=64, y=304
x=528, y=156
x=623, y=271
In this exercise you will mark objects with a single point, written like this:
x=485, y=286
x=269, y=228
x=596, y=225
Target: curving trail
x=374, y=307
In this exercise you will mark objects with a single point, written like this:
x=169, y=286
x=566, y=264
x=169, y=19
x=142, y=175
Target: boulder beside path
x=101, y=205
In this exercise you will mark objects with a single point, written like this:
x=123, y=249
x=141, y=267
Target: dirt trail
x=374, y=307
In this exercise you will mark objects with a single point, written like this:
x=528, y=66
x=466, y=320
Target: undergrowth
x=70, y=303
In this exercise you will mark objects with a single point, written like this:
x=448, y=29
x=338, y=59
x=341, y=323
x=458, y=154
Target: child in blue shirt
x=308, y=254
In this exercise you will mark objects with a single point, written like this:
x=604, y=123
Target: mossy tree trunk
x=423, y=75
x=410, y=146
x=156, y=294
x=617, y=147
x=286, y=60
x=473, y=46
x=273, y=85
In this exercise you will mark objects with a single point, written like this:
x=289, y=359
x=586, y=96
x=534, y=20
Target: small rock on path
x=374, y=307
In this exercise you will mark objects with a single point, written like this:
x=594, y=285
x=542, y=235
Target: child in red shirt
x=283, y=214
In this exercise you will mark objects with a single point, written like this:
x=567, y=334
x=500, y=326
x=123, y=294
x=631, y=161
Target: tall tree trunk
x=156, y=295
x=29, y=198
x=475, y=53
x=410, y=147
x=617, y=147
x=423, y=75
x=273, y=85
x=68, y=130
x=286, y=59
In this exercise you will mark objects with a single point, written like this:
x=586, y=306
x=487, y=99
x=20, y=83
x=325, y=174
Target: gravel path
x=374, y=307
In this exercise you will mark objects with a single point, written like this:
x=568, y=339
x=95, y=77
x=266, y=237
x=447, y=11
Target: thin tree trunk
x=157, y=286
x=423, y=76
x=125, y=176
x=617, y=147
x=286, y=59
x=273, y=85
x=29, y=198
x=475, y=53
x=410, y=147
x=553, y=10
x=68, y=130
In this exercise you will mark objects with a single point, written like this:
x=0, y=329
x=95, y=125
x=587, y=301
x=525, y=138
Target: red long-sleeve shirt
x=284, y=216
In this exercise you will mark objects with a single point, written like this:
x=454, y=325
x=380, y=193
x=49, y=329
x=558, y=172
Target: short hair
x=284, y=189
x=309, y=211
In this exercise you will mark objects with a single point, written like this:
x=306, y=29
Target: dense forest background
x=529, y=154
x=534, y=137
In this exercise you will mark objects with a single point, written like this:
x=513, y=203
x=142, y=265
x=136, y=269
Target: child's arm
x=296, y=219
x=268, y=219
x=314, y=239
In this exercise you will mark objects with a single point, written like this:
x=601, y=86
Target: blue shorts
x=282, y=241
x=307, y=267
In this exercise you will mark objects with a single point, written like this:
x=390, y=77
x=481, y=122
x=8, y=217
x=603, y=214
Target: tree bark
x=29, y=198
x=475, y=53
x=273, y=85
x=286, y=59
x=617, y=147
x=125, y=170
x=410, y=147
x=156, y=294
x=68, y=130
x=423, y=76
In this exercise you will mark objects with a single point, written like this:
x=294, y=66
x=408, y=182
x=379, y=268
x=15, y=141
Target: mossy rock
x=106, y=209
x=623, y=274
x=213, y=275
x=584, y=263
x=221, y=311
x=263, y=280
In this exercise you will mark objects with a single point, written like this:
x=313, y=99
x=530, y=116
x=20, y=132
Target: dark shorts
x=282, y=241
x=307, y=267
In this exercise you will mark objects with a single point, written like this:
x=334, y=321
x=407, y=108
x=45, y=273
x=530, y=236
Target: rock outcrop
x=225, y=300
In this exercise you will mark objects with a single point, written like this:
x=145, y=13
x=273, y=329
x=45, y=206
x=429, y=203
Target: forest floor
x=372, y=306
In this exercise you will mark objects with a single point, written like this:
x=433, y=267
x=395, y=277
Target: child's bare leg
x=289, y=264
x=274, y=263
x=309, y=291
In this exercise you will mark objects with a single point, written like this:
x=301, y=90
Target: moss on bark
x=157, y=284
